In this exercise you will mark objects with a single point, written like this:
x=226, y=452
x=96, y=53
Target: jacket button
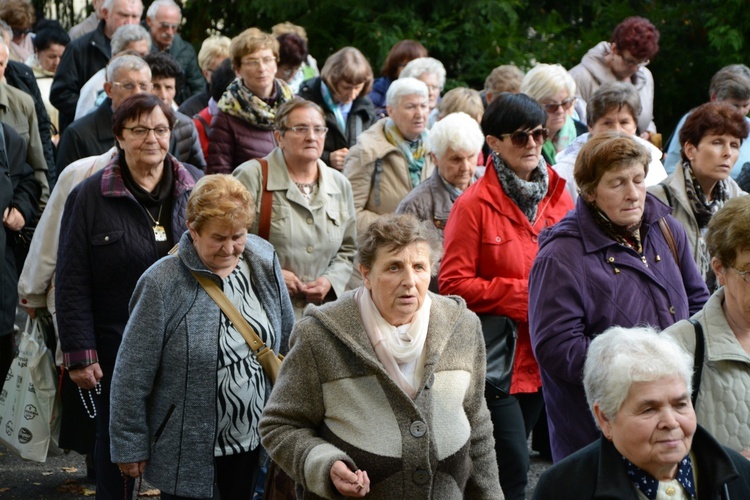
x=671, y=309
x=309, y=220
x=418, y=429
x=611, y=259
x=310, y=249
x=498, y=239
x=106, y=238
x=421, y=477
x=535, y=239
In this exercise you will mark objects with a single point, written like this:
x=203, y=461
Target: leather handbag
x=500, y=336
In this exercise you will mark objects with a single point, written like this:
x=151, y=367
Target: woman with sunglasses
x=555, y=90
x=490, y=243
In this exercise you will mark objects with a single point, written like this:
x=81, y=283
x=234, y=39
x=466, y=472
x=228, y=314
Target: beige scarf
x=396, y=349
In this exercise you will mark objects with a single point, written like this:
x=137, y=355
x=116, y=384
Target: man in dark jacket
x=87, y=55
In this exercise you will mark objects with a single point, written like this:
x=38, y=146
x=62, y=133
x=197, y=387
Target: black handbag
x=500, y=336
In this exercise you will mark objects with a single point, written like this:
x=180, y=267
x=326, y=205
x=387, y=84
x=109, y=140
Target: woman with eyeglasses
x=634, y=42
x=312, y=224
x=555, y=90
x=490, y=243
x=619, y=259
x=243, y=127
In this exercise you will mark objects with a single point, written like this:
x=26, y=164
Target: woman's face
x=410, y=115
x=714, y=157
x=556, y=118
x=142, y=147
x=433, y=87
x=398, y=281
x=621, y=194
x=345, y=92
x=617, y=119
x=258, y=70
x=522, y=160
x=736, y=290
x=457, y=167
x=219, y=246
x=623, y=64
x=304, y=145
x=654, y=427
x=49, y=58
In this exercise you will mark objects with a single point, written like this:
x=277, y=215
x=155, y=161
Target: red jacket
x=490, y=246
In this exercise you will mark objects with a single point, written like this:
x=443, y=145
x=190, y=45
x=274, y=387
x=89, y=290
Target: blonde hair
x=221, y=198
x=211, y=48
x=287, y=27
x=545, y=80
x=461, y=99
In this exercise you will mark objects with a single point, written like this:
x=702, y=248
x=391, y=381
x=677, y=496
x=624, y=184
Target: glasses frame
x=632, y=63
x=148, y=130
x=305, y=130
x=518, y=136
x=148, y=87
x=566, y=104
x=255, y=63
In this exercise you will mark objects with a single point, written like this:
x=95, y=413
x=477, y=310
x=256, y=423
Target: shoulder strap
x=700, y=348
x=667, y=232
x=266, y=201
x=667, y=193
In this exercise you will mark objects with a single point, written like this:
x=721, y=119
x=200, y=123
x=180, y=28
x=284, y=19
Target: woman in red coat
x=491, y=239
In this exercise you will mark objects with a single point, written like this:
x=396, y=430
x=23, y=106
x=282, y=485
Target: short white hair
x=127, y=34
x=108, y=4
x=457, y=131
x=125, y=63
x=621, y=356
x=154, y=8
x=545, y=80
x=403, y=87
x=421, y=65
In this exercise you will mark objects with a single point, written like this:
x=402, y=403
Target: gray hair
x=403, y=87
x=613, y=95
x=127, y=34
x=619, y=357
x=126, y=63
x=421, y=65
x=545, y=80
x=154, y=8
x=108, y=4
x=731, y=82
x=457, y=131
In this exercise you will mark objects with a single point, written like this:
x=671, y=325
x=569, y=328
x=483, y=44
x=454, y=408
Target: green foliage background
x=471, y=37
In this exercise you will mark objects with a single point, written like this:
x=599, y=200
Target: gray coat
x=163, y=400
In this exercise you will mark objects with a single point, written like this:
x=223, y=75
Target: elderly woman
x=382, y=393
x=638, y=390
x=555, y=90
x=292, y=55
x=432, y=73
x=20, y=16
x=341, y=90
x=243, y=127
x=618, y=259
x=399, y=55
x=117, y=223
x=454, y=144
x=711, y=138
x=312, y=224
x=186, y=402
x=723, y=402
x=214, y=51
x=390, y=158
x=624, y=58
x=490, y=242
x=464, y=100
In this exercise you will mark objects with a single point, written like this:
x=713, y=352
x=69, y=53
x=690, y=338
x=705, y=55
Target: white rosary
x=98, y=389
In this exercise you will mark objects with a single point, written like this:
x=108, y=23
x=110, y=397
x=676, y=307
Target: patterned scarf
x=414, y=151
x=525, y=194
x=629, y=236
x=564, y=138
x=649, y=485
x=240, y=102
x=453, y=191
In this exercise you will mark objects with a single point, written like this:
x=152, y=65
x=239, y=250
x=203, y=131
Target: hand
x=746, y=453
x=12, y=219
x=646, y=135
x=86, y=377
x=134, y=469
x=293, y=284
x=316, y=291
x=31, y=311
x=348, y=483
x=336, y=158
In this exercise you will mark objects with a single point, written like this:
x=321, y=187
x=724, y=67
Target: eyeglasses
x=743, y=275
x=130, y=86
x=255, y=63
x=634, y=62
x=305, y=130
x=566, y=104
x=520, y=138
x=169, y=26
x=160, y=132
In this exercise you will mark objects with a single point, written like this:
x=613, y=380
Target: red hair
x=638, y=36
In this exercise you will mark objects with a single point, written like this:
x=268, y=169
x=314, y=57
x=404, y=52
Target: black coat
x=598, y=472
x=361, y=117
x=90, y=135
x=19, y=189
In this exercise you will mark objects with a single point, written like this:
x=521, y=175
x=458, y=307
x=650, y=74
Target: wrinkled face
x=410, y=115
x=457, y=167
x=164, y=26
x=398, y=281
x=258, y=71
x=165, y=89
x=346, y=92
x=556, y=118
x=654, y=427
x=140, y=46
x=127, y=83
x=49, y=58
x=742, y=105
x=219, y=246
x=714, y=157
x=303, y=144
x=433, y=87
x=621, y=194
x=615, y=120
x=736, y=289
x=522, y=160
x=623, y=64
x=123, y=12
x=147, y=148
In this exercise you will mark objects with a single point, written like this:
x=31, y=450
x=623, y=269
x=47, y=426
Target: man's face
x=123, y=12
x=165, y=89
x=164, y=26
x=126, y=83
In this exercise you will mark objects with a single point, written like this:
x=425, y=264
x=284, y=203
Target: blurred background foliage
x=471, y=37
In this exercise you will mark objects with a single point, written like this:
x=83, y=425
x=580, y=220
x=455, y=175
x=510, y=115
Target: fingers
x=31, y=311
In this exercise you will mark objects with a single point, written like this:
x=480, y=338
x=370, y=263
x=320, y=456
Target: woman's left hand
x=134, y=469
x=316, y=291
x=348, y=483
x=13, y=219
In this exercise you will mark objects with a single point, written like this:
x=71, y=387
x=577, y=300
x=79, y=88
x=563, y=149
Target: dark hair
x=605, y=153
x=712, y=118
x=163, y=66
x=400, y=54
x=510, y=112
x=221, y=78
x=638, y=36
x=292, y=49
x=50, y=32
x=136, y=105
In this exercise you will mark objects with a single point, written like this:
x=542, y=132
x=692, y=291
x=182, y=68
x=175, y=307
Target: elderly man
x=89, y=54
x=90, y=23
x=163, y=20
x=92, y=134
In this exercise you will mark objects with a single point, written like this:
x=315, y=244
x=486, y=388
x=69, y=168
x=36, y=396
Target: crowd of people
x=196, y=213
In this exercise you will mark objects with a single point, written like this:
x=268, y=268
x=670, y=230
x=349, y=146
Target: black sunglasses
x=520, y=138
x=553, y=106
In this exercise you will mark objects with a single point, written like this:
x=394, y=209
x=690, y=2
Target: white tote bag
x=29, y=419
